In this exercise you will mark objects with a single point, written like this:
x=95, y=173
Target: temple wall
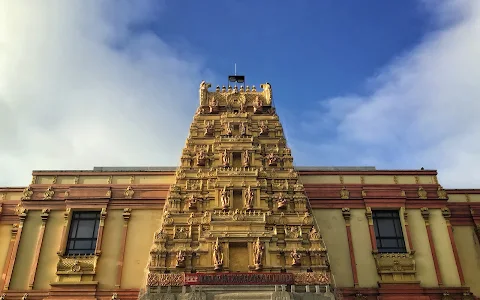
x=48, y=259
x=423, y=255
x=141, y=228
x=362, y=248
x=26, y=250
x=332, y=228
x=468, y=247
x=111, y=244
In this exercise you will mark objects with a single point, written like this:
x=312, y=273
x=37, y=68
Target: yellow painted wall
x=142, y=225
x=366, y=269
x=28, y=241
x=423, y=255
x=107, y=263
x=443, y=249
x=48, y=259
x=468, y=248
x=320, y=179
x=94, y=179
x=5, y=237
x=332, y=228
x=379, y=179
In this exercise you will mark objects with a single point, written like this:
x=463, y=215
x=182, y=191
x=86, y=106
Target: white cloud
x=78, y=90
x=422, y=110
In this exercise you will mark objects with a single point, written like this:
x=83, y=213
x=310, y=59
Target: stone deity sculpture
x=180, y=259
x=201, y=158
x=243, y=129
x=282, y=202
x=272, y=159
x=296, y=258
x=263, y=128
x=257, y=105
x=258, y=254
x=225, y=198
x=213, y=105
x=249, y=198
x=217, y=255
x=246, y=159
x=209, y=130
x=225, y=158
x=228, y=129
x=203, y=92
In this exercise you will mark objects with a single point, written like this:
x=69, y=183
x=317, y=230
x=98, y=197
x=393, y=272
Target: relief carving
x=296, y=258
x=217, y=255
x=258, y=249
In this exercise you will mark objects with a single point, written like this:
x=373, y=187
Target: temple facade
x=237, y=220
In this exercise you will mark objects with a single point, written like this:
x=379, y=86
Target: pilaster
x=426, y=216
x=41, y=233
x=346, y=217
x=446, y=214
x=126, y=217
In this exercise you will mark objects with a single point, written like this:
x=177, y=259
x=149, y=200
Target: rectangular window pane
x=83, y=233
x=388, y=232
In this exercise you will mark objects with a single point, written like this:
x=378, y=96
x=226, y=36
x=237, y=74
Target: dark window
x=82, y=237
x=388, y=231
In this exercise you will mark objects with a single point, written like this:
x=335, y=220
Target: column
x=446, y=214
x=98, y=246
x=346, y=217
x=126, y=217
x=33, y=268
x=373, y=241
x=426, y=216
x=14, y=243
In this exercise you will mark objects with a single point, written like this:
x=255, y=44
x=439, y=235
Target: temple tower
x=237, y=208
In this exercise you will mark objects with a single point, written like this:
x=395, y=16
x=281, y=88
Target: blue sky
x=391, y=84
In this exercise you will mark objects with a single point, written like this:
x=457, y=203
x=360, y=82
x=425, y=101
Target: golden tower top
x=237, y=204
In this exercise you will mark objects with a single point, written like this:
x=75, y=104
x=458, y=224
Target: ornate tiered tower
x=237, y=213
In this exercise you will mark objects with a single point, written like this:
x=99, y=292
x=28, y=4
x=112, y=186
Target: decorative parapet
x=395, y=267
x=311, y=278
x=76, y=268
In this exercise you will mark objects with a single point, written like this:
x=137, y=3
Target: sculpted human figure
x=263, y=128
x=228, y=129
x=296, y=258
x=249, y=198
x=225, y=158
x=282, y=202
x=246, y=159
x=203, y=92
x=192, y=202
x=257, y=105
x=208, y=128
x=225, y=198
x=267, y=90
x=272, y=159
x=258, y=254
x=213, y=105
x=180, y=259
x=217, y=255
x=201, y=157
x=243, y=129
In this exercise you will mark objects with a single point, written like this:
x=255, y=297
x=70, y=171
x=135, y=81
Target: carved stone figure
x=258, y=254
x=225, y=198
x=204, y=92
x=180, y=259
x=209, y=128
x=296, y=258
x=201, y=157
x=225, y=158
x=282, y=202
x=267, y=91
x=272, y=159
x=246, y=159
x=213, y=105
x=191, y=203
x=249, y=198
x=263, y=128
x=217, y=255
x=243, y=129
x=228, y=129
x=257, y=105
x=313, y=234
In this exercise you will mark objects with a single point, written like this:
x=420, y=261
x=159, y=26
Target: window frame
x=73, y=225
x=396, y=226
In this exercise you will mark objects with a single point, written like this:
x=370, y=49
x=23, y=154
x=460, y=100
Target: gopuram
x=237, y=223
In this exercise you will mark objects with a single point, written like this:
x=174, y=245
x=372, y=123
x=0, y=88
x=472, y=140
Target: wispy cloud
x=421, y=110
x=78, y=90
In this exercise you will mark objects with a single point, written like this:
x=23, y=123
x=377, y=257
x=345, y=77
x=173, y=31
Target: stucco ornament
x=27, y=193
